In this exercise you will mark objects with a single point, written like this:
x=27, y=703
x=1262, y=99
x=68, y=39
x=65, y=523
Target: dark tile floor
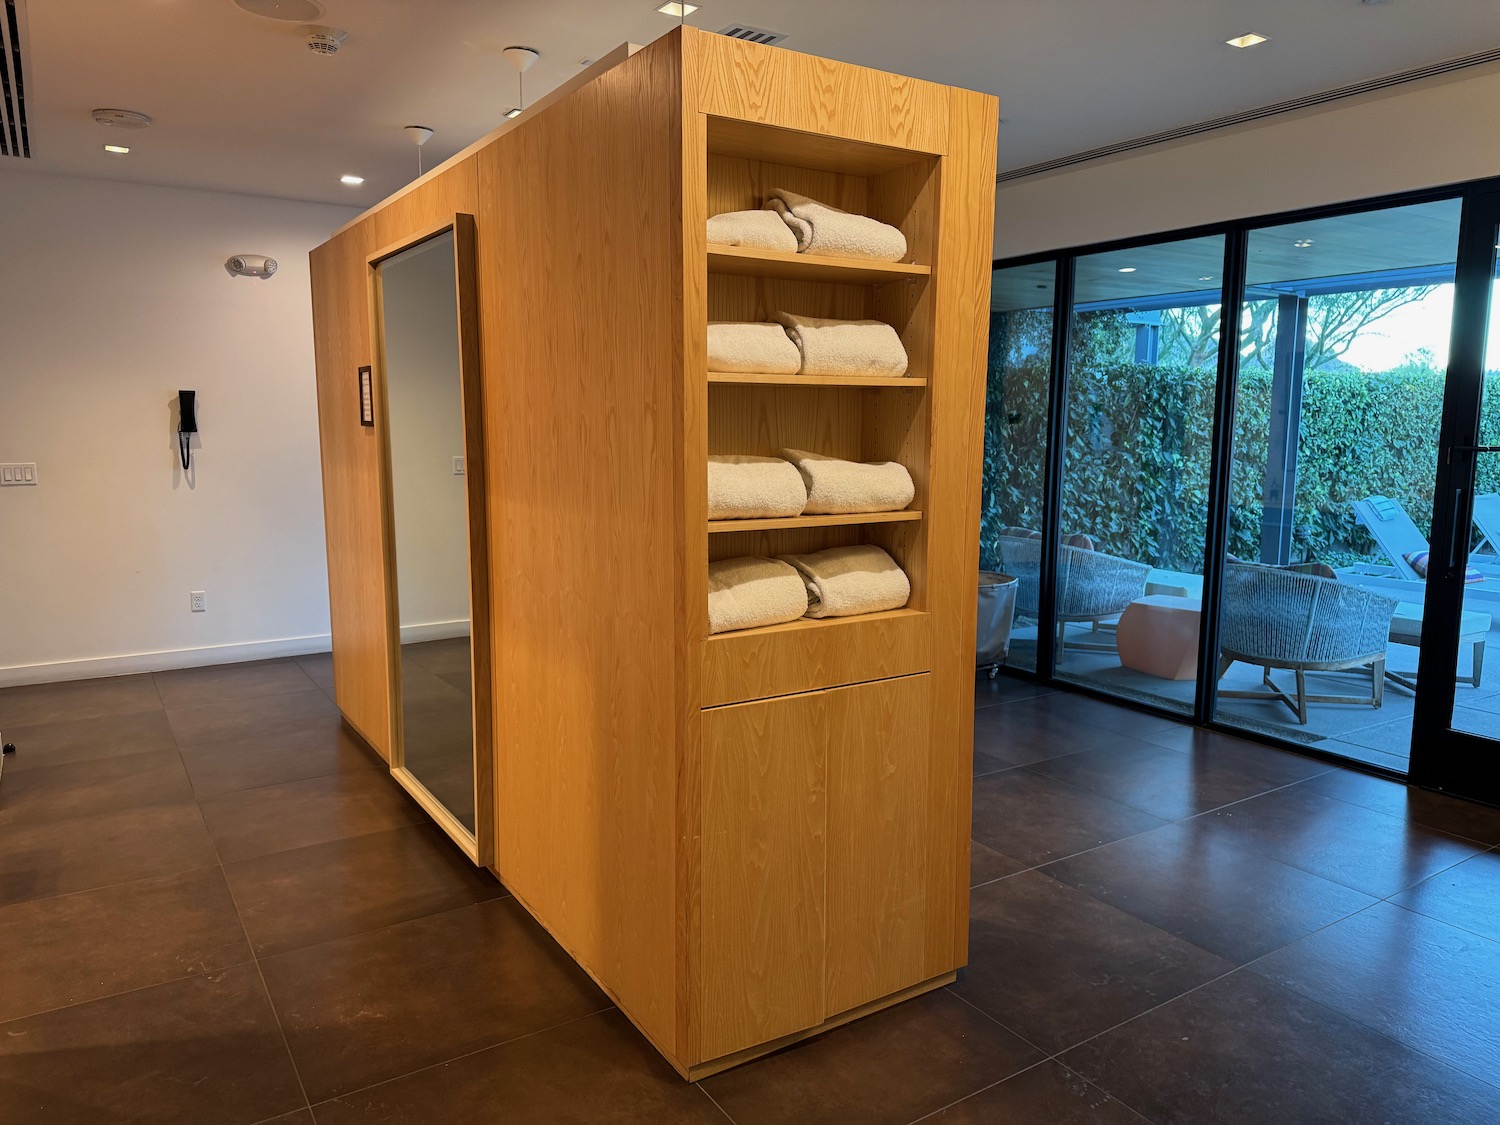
x=214, y=907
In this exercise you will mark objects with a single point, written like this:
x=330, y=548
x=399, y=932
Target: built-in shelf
x=804, y=623
x=896, y=381
x=808, y=267
x=777, y=524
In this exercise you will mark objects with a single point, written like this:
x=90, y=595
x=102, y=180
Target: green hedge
x=1138, y=452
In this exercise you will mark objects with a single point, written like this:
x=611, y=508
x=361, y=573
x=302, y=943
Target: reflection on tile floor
x=216, y=907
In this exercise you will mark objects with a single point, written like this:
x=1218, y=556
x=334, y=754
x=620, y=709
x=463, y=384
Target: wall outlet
x=458, y=466
x=17, y=474
x=199, y=601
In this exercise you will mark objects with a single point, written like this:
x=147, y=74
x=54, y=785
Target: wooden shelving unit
x=749, y=838
x=903, y=383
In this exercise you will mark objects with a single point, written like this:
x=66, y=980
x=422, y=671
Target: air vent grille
x=15, y=137
x=752, y=34
x=1384, y=82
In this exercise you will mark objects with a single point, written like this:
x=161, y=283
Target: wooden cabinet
x=748, y=837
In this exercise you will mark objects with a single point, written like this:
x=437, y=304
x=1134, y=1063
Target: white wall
x=425, y=403
x=1423, y=134
x=112, y=297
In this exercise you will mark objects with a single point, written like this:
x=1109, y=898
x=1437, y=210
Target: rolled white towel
x=821, y=229
x=742, y=488
x=751, y=347
x=747, y=593
x=845, y=347
x=835, y=486
x=762, y=230
x=847, y=581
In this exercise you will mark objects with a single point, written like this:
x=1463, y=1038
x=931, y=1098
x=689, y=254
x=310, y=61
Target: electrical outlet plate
x=458, y=466
x=198, y=601
x=17, y=474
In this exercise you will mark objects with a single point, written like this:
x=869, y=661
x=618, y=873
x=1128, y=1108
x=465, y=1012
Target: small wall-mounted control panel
x=17, y=474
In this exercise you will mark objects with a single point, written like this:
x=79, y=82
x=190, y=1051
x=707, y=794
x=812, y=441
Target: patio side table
x=1406, y=629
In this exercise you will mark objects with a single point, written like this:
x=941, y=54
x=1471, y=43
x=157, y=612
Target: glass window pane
x=1015, y=441
x=1142, y=370
x=1343, y=349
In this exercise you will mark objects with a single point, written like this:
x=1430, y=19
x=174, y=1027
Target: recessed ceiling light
x=1127, y=269
x=1246, y=40
x=1206, y=277
x=677, y=11
x=352, y=181
x=512, y=113
x=116, y=148
x=1303, y=243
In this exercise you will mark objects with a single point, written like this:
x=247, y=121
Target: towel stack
x=806, y=345
x=798, y=482
x=794, y=223
x=750, y=592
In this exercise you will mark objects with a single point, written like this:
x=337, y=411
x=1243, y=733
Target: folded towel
x=851, y=486
x=747, y=593
x=845, y=581
x=845, y=347
x=763, y=230
x=821, y=229
x=751, y=347
x=744, y=488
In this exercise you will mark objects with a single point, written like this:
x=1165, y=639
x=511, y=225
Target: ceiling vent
x=15, y=135
x=752, y=34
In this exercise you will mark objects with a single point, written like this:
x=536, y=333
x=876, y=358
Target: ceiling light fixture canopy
x=523, y=59
x=291, y=11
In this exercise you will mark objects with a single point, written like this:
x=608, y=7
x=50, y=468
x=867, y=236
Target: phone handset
x=187, y=424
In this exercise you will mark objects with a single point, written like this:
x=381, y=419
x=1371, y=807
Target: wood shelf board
x=805, y=623
x=897, y=382
x=755, y=140
x=719, y=527
x=748, y=262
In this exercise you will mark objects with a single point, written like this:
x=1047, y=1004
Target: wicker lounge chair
x=1281, y=619
x=1091, y=585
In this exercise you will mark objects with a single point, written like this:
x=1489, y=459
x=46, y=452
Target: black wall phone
x=187, y=424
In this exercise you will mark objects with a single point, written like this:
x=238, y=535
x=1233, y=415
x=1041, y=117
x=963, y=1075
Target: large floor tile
x=1123, y=721
x=295, y=898
x=80, y=740
x=278, y=818
x=1047, y=1094
x=197, y=687
x=1034, y=819
x=319, y=668
x=73, y=948
x=1350, y=844
x=61, y=856
x=1020, y=733
x=594, y=1071
x=203, y=1049
x=891, y=1067
x=266, y=717
x=1245, y=1051
x=1167, y=783
x=986, y=865
x=1466, y=896
x=317, y=747
x=77, y=699
x=1456, y=817
x=1425, y=983
x=81, y=790
x=1006, y=689
x=375, y=1006
x=1227, y=751
x=1058, y=966
x=1193, y=883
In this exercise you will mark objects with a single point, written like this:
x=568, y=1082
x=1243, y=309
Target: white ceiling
x=241, y=105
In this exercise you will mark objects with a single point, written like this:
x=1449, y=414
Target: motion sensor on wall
x=250, y=265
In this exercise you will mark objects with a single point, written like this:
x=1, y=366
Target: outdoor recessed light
x=116, y=148
x=513, y=113
x=677, y=11
x=1303, y=243
x=1127, y=269
x=352, y=181
x=1246, y=40
x=1206, y=277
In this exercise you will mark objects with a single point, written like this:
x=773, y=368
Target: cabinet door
x=878, y=784
x=762, y=938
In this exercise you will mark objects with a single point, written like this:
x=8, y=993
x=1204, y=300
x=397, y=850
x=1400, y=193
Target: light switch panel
x=17, y=474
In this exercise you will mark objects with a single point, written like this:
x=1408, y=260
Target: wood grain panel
x=964, y=231
x=738, y=183
x=764, y=813
x=760, y=421
x=808, y=654
x=877, y=839
x=744, y=298
x=582, y=258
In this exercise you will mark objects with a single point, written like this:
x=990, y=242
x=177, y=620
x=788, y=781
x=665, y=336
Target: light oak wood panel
x=741, y=183
x=808, y=267
x=768, y=85
x=724, y=527
x=761, y=421
x=810, y=654
x=877, y=839
x=964, y=230
x=764, y=812
x=582, y=282
x=740, y=298
x=885, y=382
x=787, y=541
